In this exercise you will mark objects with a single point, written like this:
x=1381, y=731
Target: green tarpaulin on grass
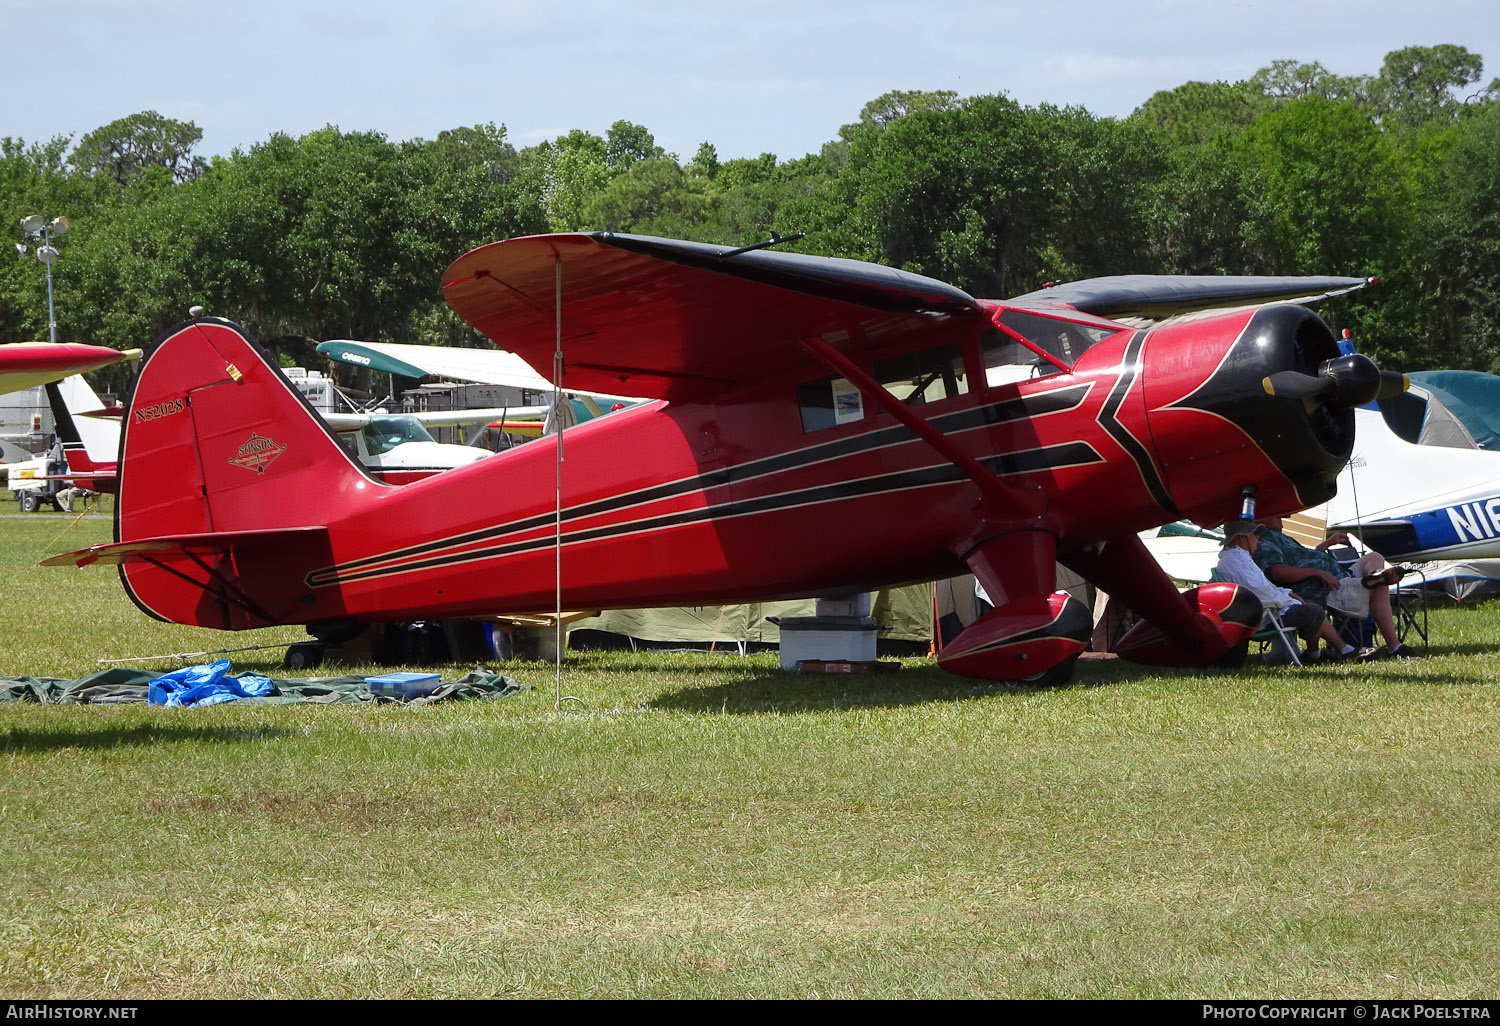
x=907, y=611
x=121, y=685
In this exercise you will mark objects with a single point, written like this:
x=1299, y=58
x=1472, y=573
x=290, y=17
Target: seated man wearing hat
x=1237, y=565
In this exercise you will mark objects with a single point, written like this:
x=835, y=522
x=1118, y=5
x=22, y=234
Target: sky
x=751, y=77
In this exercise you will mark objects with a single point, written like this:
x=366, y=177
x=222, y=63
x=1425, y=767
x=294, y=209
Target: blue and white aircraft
x=1420, y=484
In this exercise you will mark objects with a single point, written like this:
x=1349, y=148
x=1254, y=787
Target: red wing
x=665, y=319
x=27, y=364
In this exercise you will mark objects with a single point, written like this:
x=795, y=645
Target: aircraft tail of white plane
x=91, y=443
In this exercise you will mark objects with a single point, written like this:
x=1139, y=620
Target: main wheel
x=1062, y=673
x=30, y=503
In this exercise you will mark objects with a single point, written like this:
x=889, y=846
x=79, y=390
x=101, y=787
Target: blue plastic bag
x=205, y=685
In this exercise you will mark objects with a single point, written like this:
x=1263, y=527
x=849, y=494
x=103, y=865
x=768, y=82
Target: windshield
x=1007, y=360
x=383, y=434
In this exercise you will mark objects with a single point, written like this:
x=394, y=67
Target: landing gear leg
x=1033, y=633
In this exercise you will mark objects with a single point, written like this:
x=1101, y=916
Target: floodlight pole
x=51, y=312
x=37, y=228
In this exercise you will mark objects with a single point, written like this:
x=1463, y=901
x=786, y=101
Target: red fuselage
x=678, y=503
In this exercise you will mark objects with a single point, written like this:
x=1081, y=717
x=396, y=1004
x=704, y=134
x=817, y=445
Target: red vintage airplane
x=817, y=427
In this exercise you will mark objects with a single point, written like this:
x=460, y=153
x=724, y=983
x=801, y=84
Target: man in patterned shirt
x=1316, y=576
x=1237, y=566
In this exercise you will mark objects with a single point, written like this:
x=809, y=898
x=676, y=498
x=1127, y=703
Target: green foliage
x=1463, y=218
x=758, y=196
x=1295, y=170
x=705, y=163
x=125, y=148
x=1207, y=217
x=896, y=104
x=575, y=169
x=989, y=195
x=1199, y=112
x=1331, y=197
x=34, y=179
x=1418, y=84
x=625, y=143
x=1293, y=80
x=331, y=235
x=653, y=197
x=1327, y=174
x=746, y=172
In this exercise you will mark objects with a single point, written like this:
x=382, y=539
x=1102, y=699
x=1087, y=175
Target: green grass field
x=711, y=827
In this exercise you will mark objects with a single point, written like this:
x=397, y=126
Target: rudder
x=216, y=439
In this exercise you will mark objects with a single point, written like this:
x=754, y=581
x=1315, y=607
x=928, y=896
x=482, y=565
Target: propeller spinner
x=1347, y=381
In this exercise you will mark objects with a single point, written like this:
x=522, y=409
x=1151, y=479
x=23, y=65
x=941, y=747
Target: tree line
x=1395, y=174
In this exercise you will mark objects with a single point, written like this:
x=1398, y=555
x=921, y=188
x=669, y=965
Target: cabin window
x=924, y=377
x=1006, y=360
x=829, y=402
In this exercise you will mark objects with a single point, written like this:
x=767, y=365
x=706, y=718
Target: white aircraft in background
x=484, y=366
x=84, y=456
x=394, y=448
x=397, y=448
x=1418, y=486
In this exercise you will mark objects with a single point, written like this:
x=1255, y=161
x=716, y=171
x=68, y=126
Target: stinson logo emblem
x=257, y=453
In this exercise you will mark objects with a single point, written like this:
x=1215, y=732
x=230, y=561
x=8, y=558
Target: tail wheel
x=303, y=656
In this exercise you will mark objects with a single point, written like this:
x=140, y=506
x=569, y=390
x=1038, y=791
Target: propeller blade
x=1349, y=381
x=1296, y=385
x=1392, y=384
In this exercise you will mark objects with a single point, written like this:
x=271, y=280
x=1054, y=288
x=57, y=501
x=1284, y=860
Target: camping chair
x=1408, y=611
x=1408, y=607
x=1272, y=631
x=1408, y=604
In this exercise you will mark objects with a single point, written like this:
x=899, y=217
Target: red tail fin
x=227, y=477
x=216, y=439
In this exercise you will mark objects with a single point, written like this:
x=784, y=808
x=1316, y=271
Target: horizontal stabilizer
x=178, y=546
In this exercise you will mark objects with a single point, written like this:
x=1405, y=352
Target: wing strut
x=1007, y=500
x=557, y=399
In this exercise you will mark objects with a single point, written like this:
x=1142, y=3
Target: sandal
x=1390, y=576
